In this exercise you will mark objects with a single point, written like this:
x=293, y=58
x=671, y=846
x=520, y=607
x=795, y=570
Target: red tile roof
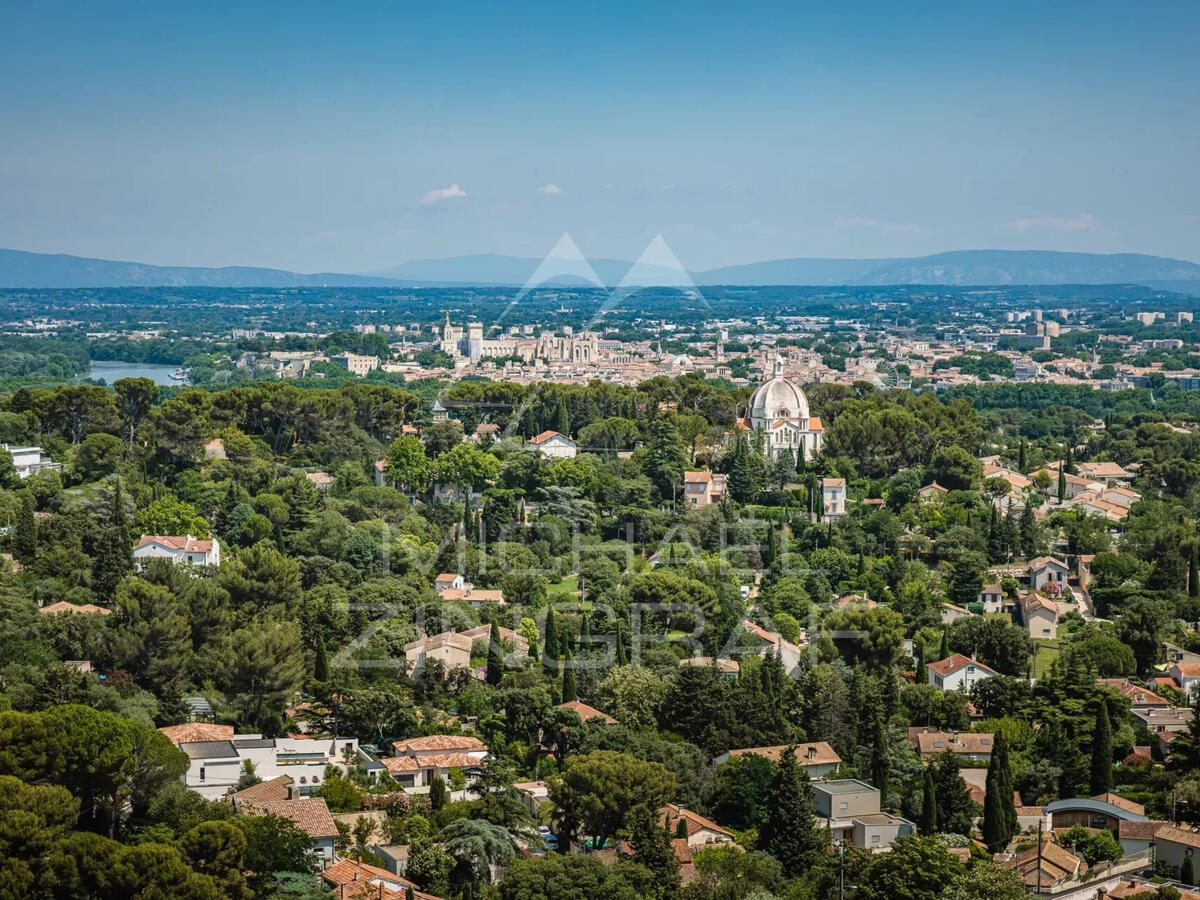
x=310, y=814
x=586, y=712
x=950, y=664
x=190, y=732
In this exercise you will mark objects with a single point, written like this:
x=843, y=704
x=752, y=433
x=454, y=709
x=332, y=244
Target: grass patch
x=1045, y=652
x=567, y=589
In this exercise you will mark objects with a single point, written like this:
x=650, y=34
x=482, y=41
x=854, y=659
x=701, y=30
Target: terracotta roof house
x=310, y=815
x=553, y=445
x=1139, y=697
x=438, y=743
x=62, y=606
x=1044, y=570
x=703, y=488
x=790, y=654
x=179, y=549
x=958, y=673
x=1040, y=616
x=190, y=732
x=964, y=743
x=931, y=490
x=818, y=758
x=700, y=830
x=282, y=787
x=587, y=713
x=352, y=880
x=1054, y=865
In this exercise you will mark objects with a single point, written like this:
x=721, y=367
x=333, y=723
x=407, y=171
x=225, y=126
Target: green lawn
x=567, y=589
x=1045, y=653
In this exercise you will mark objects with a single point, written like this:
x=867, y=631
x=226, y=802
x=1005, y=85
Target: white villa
x=217, y=757
x=182, y=550
x=30, y=460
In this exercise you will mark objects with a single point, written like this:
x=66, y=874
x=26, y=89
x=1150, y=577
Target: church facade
x=779, y=409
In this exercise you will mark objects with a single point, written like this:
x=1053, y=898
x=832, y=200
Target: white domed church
x=779, y=409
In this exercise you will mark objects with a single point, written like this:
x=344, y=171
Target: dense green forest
x=600, y=563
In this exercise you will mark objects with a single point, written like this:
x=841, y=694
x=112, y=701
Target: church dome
x=779, y=398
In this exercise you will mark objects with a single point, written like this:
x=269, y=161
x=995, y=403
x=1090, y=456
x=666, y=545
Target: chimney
x=293, y=792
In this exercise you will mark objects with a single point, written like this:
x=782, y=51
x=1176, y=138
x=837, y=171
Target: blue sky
x=350, y=137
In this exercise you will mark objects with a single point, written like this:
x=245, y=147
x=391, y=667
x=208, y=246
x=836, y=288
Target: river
x=115, y=370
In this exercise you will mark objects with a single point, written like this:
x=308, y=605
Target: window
x=843, y=805
x=874, y=839
x=202, y=773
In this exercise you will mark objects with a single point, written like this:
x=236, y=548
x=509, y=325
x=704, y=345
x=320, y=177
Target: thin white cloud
x=1061, y=224
x=550, y=190
x=867, y=223
x=855, y=222
x=437, y=195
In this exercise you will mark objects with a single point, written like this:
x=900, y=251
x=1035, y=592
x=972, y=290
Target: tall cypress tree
x=1187, y=872
x=495, y=657
x=1021, y=457
x=999, y=811
x=550, y=643
x=944, y=648
x=569, y=691
x=880, y=765
x=928, y=823
x=1102, y=751
x=1062, y=483
x=321, y=663
x=790, y=831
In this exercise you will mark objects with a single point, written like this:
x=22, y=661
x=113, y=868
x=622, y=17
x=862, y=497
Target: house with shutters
x=552, y=445
x=703, y=488
x=1045, y=571
x=958, y=673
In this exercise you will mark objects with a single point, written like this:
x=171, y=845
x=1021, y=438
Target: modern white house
x=218, y=757
x=958, y=673
x=30, y=460
x=552, y=445
x=182, y=550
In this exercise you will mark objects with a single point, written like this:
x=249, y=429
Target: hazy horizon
x=283, y=137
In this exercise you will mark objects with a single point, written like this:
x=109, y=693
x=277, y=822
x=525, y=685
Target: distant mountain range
x=19, y=269
x=958, y=267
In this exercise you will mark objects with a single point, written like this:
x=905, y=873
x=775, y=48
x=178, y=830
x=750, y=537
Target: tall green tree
x=1102, y=751
x=790, y=832
x=651, y=842
x=928, y=823
x=956, y=811
x=495, y=657
x=999, y=811
x=569, y=690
